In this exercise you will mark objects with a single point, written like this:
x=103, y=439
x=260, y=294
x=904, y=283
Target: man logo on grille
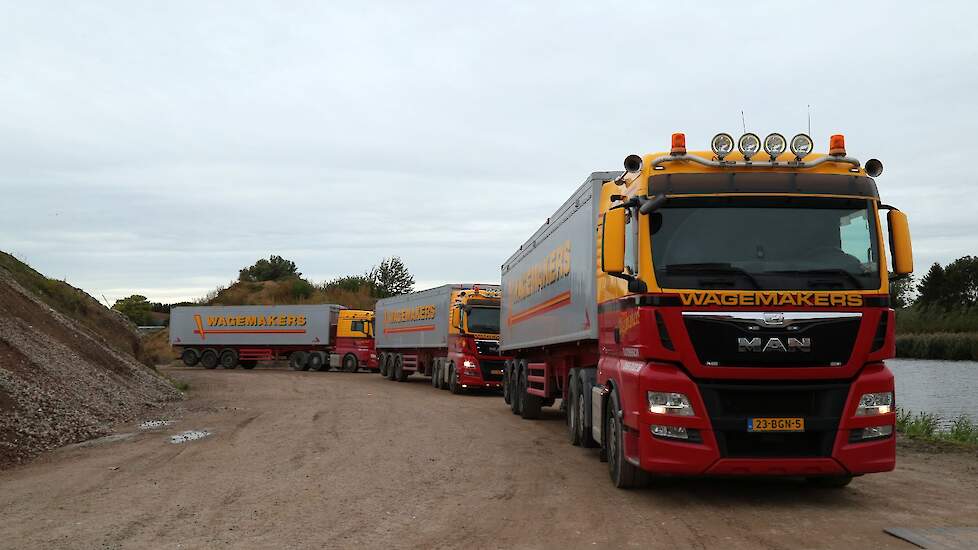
x=774, y=344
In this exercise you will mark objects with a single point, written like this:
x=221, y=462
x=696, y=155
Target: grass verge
x=954, y=346
x=926, y=427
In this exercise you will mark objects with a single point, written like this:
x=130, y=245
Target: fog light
x=748, y=145
x=801, y=145
x=673, y=432
x=874, y=404
x=676, y=404
x=873, y=432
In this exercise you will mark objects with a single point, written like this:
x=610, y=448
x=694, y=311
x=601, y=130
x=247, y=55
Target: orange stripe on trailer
x=247, y=331
x=420, y=328
x=558, y=301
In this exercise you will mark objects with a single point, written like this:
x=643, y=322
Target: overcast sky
x=158, y=147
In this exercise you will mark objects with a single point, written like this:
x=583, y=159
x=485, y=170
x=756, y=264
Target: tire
x=573, y=397
x=399, y=373
x=391, y=357
x=299, y=360
x=434, y=373
x=229, y=359
x=316, y=362
x=829, y=482
x=453, y=385
x=531, y=404
x=506, y=375
x=209, y=359
x=584, y=433
x=442, y=374
x=249, y=364
x=350, y=363
x=624, y=474
x=190, y=357
x=382, y=364
x=514, y=389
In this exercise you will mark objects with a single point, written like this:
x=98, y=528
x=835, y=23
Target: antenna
x=810, y=120
x=743, y=120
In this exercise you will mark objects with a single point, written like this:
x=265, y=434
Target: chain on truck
x=310, y=337
x=450, y=333
x=715, y=313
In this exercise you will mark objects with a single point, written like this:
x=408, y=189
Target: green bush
x=941, y=345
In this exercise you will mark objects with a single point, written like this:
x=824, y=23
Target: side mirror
x=900, y=242
x=613, y=242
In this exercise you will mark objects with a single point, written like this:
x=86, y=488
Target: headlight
x=774, y=145
x=468, y=364
x=801, y=145
x=670, y=403
x=722, y=145
x=749, y=144
x=873, y=404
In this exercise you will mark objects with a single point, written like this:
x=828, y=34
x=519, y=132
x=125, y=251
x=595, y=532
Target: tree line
x=390, y=277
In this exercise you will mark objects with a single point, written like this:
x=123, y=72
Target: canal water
x=946, y=388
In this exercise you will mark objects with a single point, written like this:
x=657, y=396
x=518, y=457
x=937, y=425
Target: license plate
x=497, y=371
x=775, y=424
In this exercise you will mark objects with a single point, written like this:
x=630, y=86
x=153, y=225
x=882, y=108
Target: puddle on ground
x=155, y=424
x=192, y=435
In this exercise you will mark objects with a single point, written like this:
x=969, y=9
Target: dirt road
x=336, y=460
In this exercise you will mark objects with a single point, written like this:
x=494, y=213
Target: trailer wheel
x=316, y=362
x=299, y=360
x=584, y=434
x=249, y=364
x=506, y=374
x=190, y=357
x=208, y=359
x=453, y=385
x=391, y=363
x=829, y=482
x=531, y=404
x=382, y=364
x=624, y=474
x=573, y=397
x=514, y=389
x=229, y=359
x=400, y=374
x=434, y=373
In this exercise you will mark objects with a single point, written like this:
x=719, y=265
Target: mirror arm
x=634, y=283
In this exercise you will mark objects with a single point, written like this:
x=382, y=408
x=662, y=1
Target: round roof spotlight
x=874, y=167
x=801, y=146
x=722, y=145
x=633, y=163
x=749, y=144
x=775, y=144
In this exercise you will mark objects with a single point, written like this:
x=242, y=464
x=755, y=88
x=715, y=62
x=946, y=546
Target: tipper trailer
x=450, y=333
x=714, y=313
x=306, y=335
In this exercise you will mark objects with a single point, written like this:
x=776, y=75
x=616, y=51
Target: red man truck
x=354, y=341
x=719, y=312
x=450, y=333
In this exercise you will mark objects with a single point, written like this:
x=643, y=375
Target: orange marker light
x=837, y=145
x=679, y=144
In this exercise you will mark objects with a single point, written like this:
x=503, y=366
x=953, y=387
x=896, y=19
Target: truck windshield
x=483, y=319
x=765, y=243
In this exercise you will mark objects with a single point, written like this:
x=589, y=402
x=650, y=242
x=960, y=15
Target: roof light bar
x=749, y=144
x=774, y=145
x=801, y=146
x=722, y=145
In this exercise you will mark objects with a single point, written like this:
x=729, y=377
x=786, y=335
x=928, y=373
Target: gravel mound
x=61, y=383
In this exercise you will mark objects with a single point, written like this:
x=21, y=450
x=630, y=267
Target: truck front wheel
x=350, y=363
x=190, y=357
x=453, y=385
x=624, y=474
x=208, y=359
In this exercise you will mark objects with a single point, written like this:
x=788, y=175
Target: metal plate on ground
x=938, y=538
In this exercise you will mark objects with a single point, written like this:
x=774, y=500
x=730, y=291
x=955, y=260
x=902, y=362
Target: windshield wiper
x=816, y=272
x=714, y=268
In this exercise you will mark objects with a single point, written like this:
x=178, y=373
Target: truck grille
x=489, y=365
x=729, y=405
x=717, y=342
